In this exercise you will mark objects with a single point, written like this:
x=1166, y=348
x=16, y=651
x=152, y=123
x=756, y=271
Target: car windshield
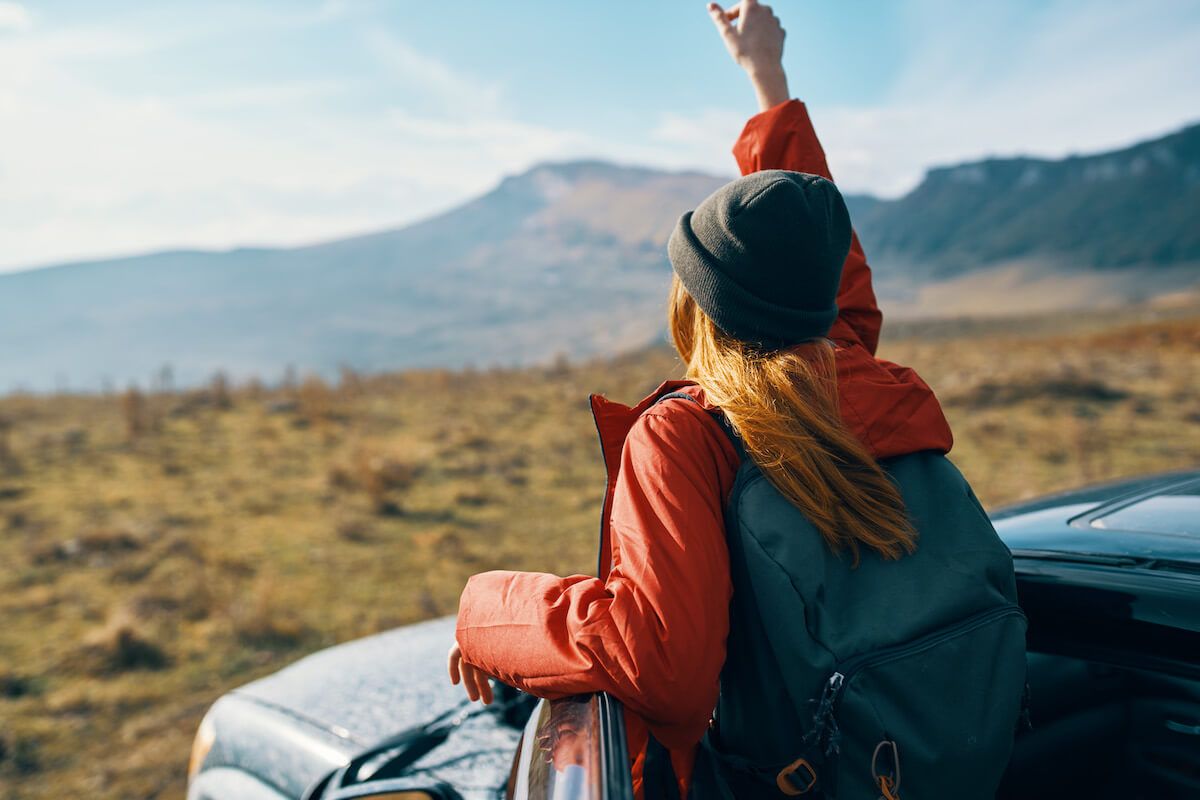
x=1175, y=511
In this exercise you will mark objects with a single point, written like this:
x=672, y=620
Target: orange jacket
x=650, y=628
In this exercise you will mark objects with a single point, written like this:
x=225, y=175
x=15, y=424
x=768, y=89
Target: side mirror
x=573, y=749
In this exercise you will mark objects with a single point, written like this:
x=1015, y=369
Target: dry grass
x=160, y=548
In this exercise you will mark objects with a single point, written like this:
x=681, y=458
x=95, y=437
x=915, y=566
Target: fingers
x=740, y=10
x=468, y=681
x=453, y=662
x=485, y=689
x=721, y=19
x=475, y=682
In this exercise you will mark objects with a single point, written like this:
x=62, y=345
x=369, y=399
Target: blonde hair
x=784, y=406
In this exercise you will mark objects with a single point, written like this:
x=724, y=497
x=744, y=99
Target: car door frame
x=598, y=721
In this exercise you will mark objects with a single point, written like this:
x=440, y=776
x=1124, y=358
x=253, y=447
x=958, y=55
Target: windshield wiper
x=394, y=756
x=1106, y=560
x=1099, y=559
x=402, y=750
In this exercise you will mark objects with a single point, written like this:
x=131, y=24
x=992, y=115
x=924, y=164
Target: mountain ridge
x=569, y=257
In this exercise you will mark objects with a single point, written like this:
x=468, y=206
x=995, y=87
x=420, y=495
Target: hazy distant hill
x=564, y=258
x=1134, y=207
x=1074, y=232
x=569, y=258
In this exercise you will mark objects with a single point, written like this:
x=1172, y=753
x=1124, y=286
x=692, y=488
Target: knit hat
x=762, y=256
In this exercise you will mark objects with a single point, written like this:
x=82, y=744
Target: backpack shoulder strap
x=717, y=415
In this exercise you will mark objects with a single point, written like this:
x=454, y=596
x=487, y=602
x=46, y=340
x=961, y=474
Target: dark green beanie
x=762, y=256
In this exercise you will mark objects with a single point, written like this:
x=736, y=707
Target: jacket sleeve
x=652, y=634
x=783, y=137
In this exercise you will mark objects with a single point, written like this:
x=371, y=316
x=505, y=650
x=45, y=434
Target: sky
x=129, y=126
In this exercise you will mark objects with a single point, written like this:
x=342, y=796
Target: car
x=1108, y=575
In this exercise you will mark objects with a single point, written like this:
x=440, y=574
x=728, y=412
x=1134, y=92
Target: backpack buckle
x=784, y=779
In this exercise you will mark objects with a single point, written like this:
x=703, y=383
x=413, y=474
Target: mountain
x=565, y=258
x=1125, y=222
x=570, y=258
x=1132, y=207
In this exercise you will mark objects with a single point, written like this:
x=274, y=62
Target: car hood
x=289, y=727
x=1060, y=524
x=1075, y=501
x=369, y=688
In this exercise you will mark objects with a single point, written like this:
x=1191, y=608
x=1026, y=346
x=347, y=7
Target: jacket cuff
x=782, y=137
x=474, y=612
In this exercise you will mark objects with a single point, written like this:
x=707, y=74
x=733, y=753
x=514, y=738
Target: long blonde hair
x=784, y=407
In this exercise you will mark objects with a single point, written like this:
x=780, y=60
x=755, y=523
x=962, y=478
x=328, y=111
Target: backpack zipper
x=825, y=732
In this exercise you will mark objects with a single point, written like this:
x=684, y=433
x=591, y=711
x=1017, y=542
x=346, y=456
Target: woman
x=773, y=312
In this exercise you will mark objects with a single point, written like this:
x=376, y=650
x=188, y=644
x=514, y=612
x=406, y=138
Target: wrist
x=770, y=85
x=770, y=71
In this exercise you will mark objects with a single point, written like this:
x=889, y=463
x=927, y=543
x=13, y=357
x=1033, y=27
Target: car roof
x=1150, y=518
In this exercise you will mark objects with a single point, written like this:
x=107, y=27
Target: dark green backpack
x=892, y=679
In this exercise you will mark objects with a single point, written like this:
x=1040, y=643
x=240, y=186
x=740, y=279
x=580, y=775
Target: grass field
x=159, y=549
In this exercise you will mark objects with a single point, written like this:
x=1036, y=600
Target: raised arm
x=781, y=136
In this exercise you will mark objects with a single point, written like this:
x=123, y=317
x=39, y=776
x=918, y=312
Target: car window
x=1176, y=511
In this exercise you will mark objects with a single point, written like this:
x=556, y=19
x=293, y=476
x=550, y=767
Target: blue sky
x=130, y=126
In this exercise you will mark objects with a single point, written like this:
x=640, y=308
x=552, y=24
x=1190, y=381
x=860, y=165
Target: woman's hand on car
x=475, y=681
x=754, y=37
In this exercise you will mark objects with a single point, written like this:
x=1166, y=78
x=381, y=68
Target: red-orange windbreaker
x=651, y=628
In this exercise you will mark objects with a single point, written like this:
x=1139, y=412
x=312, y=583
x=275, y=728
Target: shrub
x=218, y=387
x=354, y=530
x=123, y=645
x=14, y=685
x=8, y=459
x=133, y=410
x=94, y=545
x=22, y=755
x=380, y=477
x=315, y=400
x=990, y=394
x=263, y=620
x=350, y=383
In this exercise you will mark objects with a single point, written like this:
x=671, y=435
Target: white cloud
x=1066, y=82
x=262, y=95
x=452, y=90
x=701, y=140
x=90, y=172
x=980, y=84
x=14, y=17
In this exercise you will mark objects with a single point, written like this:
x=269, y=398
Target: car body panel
x=1095, y=494
x=1130, y=597
x=1141, y=618
x=223, y=783
x=1073, y=523
x=362, y=689
x=290, y=728
x=280, y=748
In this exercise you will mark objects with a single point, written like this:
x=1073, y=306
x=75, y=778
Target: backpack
x=891, y=679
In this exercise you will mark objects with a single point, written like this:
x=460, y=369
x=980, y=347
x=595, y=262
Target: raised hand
x=754, y=38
